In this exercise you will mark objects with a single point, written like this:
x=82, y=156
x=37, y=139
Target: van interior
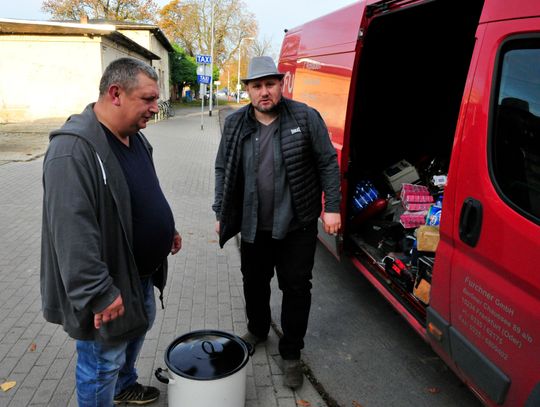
x=410, y=78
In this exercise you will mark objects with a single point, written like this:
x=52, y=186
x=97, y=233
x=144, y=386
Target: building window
x=515, y=144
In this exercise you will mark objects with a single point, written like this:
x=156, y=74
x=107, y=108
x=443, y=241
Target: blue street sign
x=204, y=79
x=203, y=59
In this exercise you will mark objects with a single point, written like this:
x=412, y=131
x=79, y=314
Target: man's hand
x=331, y=222
x=217, y=227
x=113, y=311
x=177, y=243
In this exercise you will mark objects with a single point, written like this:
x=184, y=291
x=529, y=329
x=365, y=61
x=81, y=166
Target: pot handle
x=249, y=346
x=160, y=377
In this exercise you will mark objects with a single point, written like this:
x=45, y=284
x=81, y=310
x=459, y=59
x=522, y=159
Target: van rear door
x=494, y=264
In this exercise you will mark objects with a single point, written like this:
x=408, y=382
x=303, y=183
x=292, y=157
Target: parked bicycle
x=166, y=109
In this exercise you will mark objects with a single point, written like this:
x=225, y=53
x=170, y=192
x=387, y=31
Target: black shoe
x=252, y=340
x=293, y=376
x=137, y=394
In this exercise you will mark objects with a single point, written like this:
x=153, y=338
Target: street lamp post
x=211, y=61
x=239, y=56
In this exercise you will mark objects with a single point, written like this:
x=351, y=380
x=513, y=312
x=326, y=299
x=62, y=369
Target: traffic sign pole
x=203, y=79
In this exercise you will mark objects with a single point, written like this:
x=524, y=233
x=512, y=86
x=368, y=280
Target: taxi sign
x=203, y=59
x=204, y=79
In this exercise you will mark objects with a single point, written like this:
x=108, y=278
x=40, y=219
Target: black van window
x=515, y=144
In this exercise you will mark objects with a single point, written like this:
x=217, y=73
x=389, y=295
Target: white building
x=50, y=70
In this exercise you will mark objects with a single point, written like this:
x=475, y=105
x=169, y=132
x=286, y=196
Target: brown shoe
x=293, y=376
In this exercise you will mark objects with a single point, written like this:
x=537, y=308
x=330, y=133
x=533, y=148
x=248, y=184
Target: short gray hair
x=123, y=72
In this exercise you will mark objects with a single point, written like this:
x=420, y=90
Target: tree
x=183, y=68
x=188, y=24
x=143, y=11
x=261, y=47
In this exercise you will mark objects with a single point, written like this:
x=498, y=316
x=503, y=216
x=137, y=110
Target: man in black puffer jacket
x=274, y=161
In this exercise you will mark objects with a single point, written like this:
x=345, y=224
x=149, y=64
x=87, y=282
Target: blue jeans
x=105, y=370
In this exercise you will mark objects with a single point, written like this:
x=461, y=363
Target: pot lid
x=207, y=355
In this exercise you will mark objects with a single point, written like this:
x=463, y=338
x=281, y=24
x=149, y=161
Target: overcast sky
x=273, y=15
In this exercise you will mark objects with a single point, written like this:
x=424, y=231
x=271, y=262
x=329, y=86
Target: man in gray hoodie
x=107, y=231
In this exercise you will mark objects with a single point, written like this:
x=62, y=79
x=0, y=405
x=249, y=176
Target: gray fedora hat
x=261, y=67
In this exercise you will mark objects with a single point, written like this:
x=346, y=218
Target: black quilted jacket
x=308, y=155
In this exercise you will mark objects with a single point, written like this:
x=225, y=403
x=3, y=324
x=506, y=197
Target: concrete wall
x=162, y=67
x=51, y=77
x=47, y=77
x=146, y=39
x=111, y=51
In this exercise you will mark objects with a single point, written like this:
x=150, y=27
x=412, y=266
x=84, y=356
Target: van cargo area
x=410, y=80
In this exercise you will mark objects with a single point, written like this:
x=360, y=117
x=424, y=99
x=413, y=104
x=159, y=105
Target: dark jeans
x=292, y=258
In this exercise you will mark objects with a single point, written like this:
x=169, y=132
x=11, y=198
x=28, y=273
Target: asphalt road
x=363, y=353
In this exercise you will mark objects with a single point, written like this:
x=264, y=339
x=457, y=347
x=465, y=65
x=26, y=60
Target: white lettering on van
x=493, y=319
x=312, y=65
x=288, y=82
x=506, y=308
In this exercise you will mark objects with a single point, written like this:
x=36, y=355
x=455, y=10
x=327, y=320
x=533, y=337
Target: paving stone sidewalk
x=203, y=292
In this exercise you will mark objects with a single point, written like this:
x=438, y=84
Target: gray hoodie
x=86, y=251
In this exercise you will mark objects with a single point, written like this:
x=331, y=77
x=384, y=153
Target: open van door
x=317, y=60
x=490, y=240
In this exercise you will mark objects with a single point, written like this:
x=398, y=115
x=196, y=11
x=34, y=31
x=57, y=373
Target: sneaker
x=137, y=394
x=292, y=373
x=252, y=340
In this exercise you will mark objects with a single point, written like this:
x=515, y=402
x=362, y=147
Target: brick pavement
x=203, y=291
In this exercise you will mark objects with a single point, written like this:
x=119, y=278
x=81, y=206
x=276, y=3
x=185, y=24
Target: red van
x=434, y=109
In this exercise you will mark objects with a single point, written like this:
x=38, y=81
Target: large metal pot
x=206, y=368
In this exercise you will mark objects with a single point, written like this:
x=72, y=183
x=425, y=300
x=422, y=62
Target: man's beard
x=271, y=109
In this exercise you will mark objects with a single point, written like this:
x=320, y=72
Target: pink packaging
x=417, y=198
x=413, y=219
x=415, y=194
x=417, y=206
x=414, y=189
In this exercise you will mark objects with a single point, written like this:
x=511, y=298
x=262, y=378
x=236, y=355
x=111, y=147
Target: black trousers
x=292, y=258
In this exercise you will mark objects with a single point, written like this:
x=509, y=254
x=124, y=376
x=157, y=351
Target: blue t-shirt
x=153, y=222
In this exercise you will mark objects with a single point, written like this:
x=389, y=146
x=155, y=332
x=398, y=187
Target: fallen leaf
x=7, y=385
x=433, y=390
x=303, y=403
x=356, y=404
x=32, y=347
